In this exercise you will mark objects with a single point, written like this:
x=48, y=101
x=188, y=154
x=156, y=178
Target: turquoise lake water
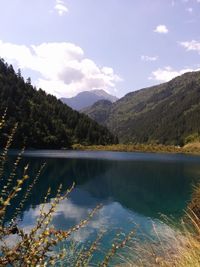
x=135, y=190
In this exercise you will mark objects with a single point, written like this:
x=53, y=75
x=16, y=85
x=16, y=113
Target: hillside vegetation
x=99, y=111
x=43, y=120
x=165, y=114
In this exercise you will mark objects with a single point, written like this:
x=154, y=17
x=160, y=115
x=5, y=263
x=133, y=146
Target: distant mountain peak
x=87, y=98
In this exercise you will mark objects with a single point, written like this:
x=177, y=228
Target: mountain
x=43, y=120
x=99, y=111
x=168, y=113
x=87, y=98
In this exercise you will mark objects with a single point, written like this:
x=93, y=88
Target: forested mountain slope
x=99, y=111
x=43, y=120
x=168, y=113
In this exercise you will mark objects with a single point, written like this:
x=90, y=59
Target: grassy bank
x=193, y=148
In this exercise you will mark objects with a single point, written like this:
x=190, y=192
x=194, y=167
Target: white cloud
x=187, y=1
x=61, y=7
x=190, y=10
x=67, y=210
x=63, y=68
x=149, y=58
x=161, y=29
x=173, y=3
x=191, y=45
x=167, y=73
x=190, y=1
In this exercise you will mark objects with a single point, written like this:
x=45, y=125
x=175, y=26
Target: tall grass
x=180, y=247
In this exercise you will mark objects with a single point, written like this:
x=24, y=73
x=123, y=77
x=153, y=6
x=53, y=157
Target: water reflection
x=133, y=191
x=144, y=187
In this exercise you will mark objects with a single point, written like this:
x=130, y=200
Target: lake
x=135, y=190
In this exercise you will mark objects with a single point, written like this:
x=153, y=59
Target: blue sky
x=69, y=46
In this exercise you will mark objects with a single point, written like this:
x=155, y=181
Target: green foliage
x=195, y=137
x=163, y=114
x=44, y=121
x=99, y=111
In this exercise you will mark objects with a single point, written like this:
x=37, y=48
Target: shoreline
x=148, y=148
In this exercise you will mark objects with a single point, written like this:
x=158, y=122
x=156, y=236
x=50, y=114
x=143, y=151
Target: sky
x=69, y=46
